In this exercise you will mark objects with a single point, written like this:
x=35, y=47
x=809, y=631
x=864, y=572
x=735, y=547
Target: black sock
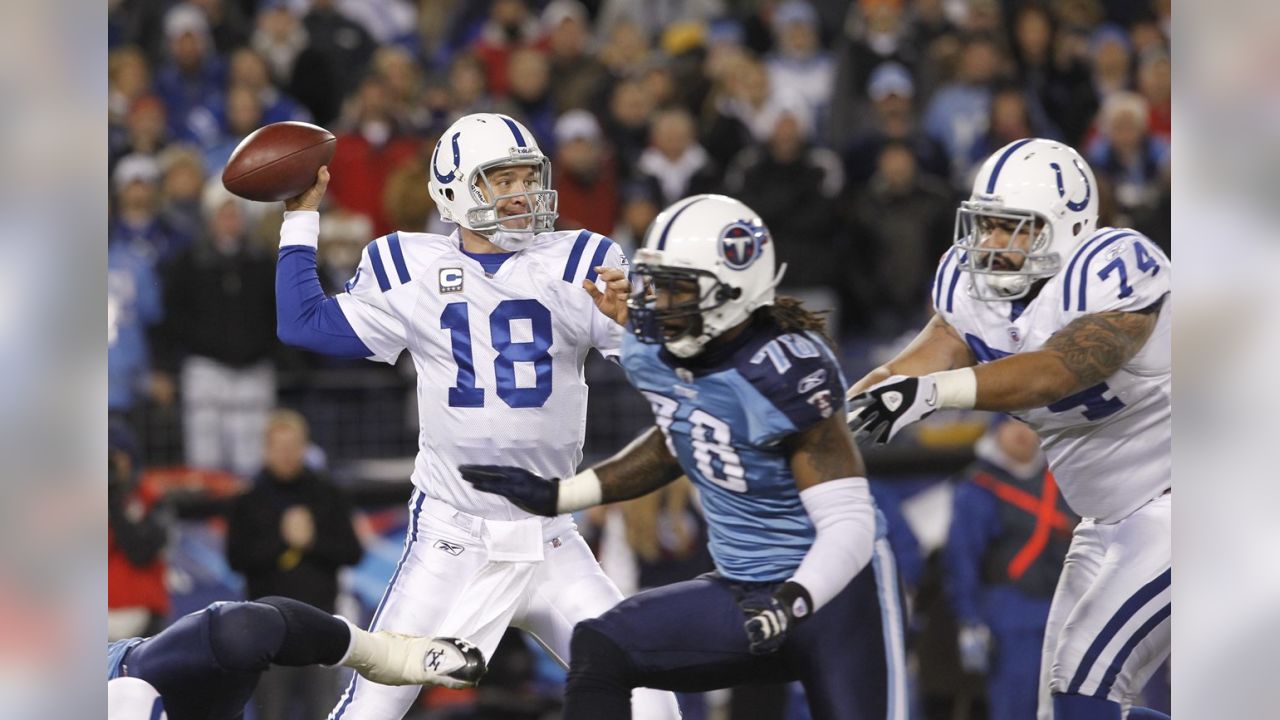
x=599, y=685
x=311, y=635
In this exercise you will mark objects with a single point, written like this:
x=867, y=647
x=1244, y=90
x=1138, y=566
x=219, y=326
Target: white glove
x=974, y=641
x=883, y=409
x=395, y=659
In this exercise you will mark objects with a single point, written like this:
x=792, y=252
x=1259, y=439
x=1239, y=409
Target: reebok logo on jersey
x=450, y=280
x=822, y=401
x=449, y=547
x=892, y=400
x=812, y=380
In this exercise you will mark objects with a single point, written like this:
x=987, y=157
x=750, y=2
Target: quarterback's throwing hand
x=883, y=409
x=613, y=300
x=534, y=494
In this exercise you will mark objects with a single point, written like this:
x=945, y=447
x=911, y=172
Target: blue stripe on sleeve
x=575, y=256
x=378, y=270
x=1071, y=268
x=307, y=319
x=397, y=257
x=951, y=291
x=602, y=250
x=1084, y=269
x=937, y=280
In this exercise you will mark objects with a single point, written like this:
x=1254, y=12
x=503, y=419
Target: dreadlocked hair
x=790, y=315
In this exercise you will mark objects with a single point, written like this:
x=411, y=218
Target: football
x=278, y=161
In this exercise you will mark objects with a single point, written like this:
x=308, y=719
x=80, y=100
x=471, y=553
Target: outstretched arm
x=937, y=347
x=1084, y=353
x=831, y=477
x=643, y=466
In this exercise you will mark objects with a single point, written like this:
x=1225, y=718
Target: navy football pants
x=689, y=637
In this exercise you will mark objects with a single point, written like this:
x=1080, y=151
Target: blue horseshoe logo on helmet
x=457, y=160
x=1062, y=190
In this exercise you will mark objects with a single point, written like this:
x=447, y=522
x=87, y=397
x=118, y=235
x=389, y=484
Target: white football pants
x=447, y=584
x=1109, y=625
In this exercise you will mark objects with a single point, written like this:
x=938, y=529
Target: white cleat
x=392, y=658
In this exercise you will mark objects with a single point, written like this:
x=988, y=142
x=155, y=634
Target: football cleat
x=395, y=659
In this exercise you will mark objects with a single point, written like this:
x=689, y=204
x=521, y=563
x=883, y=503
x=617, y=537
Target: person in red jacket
x=588, y=183
x=137, y=600
x=372, y=144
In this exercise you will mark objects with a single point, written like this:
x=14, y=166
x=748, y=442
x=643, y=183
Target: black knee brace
x=245, y=637
x=312, y=636
x=600, y=677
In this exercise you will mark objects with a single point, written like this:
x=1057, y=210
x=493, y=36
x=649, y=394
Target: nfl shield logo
x=1014, y=335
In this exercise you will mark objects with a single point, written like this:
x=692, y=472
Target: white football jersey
x=1108, y=446
x=499, y=359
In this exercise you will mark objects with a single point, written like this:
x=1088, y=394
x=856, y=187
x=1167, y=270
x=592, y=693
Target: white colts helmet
x=721, y=244
x=1027, y=184
x=471, y=147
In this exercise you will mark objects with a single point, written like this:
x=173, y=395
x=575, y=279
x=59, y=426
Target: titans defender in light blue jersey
x=746, y=395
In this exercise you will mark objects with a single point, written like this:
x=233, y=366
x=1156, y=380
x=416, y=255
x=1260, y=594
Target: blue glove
x=767, y=625
x=882, y=410
x=530, y=492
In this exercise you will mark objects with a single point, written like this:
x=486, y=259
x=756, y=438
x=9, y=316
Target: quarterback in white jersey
x=498, y=318
x=1066, y=326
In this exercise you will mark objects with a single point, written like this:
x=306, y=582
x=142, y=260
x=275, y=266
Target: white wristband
x=957, y=389
x=578, y=492
x=300, y=227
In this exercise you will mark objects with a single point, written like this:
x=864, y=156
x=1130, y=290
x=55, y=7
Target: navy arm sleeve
x=305, y=317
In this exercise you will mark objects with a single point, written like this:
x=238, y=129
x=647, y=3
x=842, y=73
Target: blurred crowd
x=853, y=128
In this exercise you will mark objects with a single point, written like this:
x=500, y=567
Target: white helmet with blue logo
x=1036, y=187
x=469, y=150
x=723, y=246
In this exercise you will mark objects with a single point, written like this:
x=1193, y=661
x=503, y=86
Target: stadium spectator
x=674, y=158
x=279, y=38
x=640, y=206
x=892, y=119
x=1155, y=82
x=220, y=330
x=794, y=185
x=343, y=43
x=183, y=178
x=586, y=174
x=1010, y=119
x=529, y=96
x=799, y=62
x=289, y=534
x=957, y=115
x=1135, y=161
x=1005, y=548
x=191, y=80
x=625, y=49
x=627, y=125
x=901, y=222
x=399, y=70
x=1111, y=60
x=137, y=600
x=579, y=74
x=143, y=132
x=468, y=88
x=652, y=18
x=370, y=146
x=248, y=69
x=874, y=32
x=509, y=26
x=135, y=182
x=1059, y=82
x=128, y=79
x=243, y=115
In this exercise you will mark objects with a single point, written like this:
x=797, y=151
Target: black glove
x=767, y=626
x=534, y=494
x=882, y=410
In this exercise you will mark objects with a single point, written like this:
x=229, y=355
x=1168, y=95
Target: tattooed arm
x=937, y=347
x=640, y=468
x=1082, y=354
x=824, y=451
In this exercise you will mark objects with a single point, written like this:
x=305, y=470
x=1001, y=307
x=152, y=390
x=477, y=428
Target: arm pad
x=305, y=317
x=845, y=519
